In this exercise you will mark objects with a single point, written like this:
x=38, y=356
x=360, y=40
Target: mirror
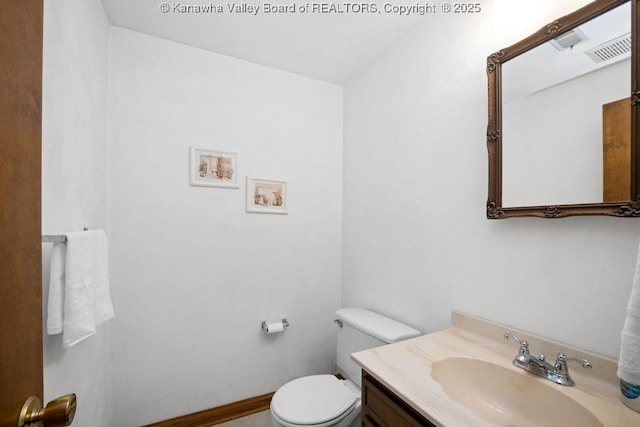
x=562, y=133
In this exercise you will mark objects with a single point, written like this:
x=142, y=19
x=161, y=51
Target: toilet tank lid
x=376, y=325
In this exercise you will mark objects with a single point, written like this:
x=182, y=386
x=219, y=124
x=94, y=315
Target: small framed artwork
x=266, y=196
x=211, y=168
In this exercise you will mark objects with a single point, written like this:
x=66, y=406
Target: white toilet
x=325, y=400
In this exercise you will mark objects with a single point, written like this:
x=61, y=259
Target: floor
x=261, y=419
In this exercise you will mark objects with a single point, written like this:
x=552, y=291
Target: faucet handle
x=563, y=359
x=516, y=339
x=560, y=372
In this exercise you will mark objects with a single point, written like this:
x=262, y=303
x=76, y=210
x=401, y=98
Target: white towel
x=86, y=300
x=629, y=363
x=55, y=317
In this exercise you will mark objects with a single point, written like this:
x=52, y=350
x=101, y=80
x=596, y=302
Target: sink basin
x=506, y=397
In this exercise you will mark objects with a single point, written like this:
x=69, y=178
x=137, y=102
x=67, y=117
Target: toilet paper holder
x=285, y=324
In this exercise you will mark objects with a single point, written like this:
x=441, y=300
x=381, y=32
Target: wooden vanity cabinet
x=381, y=407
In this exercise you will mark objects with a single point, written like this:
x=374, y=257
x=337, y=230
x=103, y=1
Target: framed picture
x=213, y=168
x=266, y=196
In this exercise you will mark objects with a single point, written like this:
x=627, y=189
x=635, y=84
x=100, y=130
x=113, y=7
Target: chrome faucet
x=558, y=372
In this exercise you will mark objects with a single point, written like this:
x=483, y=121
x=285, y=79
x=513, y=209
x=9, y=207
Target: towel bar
x=57, y=238
x=54, y=239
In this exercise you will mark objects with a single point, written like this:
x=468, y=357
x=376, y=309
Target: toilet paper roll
x=274, y=328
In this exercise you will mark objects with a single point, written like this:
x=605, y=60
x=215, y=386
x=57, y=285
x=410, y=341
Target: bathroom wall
x=74, y=184
x=416, y=241
x=192, y=274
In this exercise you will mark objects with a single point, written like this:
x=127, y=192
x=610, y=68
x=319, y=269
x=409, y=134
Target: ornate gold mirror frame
x=495, y=210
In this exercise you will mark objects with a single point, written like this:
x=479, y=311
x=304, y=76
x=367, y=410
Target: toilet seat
x=317, y=400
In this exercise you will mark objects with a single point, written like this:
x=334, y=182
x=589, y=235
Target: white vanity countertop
x=405, y=368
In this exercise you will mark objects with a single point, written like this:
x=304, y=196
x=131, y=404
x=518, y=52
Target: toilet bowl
x=318, y=401
x=325, y=400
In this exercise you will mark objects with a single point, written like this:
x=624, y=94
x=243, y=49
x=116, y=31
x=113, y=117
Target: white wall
x=192, y=273
x=416, y=241
x=74, y=185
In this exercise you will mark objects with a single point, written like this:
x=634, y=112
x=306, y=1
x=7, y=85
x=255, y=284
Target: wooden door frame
x=21, y=358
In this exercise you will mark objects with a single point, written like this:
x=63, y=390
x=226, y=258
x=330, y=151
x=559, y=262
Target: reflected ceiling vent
x=611, y=49
x=568, y=39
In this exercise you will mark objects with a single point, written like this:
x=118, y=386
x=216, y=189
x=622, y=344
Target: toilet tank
x=361, y=330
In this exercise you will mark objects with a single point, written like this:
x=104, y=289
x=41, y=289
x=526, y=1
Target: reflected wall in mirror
x=562, y=133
